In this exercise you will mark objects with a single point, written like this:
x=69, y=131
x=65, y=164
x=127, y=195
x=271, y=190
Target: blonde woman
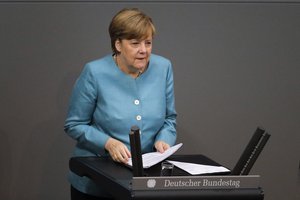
x=130, y=86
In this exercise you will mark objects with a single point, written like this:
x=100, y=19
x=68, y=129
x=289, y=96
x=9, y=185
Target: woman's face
x=134, y=54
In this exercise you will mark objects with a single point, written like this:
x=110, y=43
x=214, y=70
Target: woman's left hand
x=161, y=146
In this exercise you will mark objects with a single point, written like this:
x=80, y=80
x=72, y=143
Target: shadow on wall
x=5, y=166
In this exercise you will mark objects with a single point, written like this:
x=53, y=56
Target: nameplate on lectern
x=195, y=182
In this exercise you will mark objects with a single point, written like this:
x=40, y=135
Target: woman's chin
x=140, y=67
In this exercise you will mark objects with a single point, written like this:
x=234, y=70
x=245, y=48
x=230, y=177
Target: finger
x=166, y=146
x=121, y=154
x=116, y=151
x=118, y=157
x=160, y=148
x=114, y=156
x=126, y=154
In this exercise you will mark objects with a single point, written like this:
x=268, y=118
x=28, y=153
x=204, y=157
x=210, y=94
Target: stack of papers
x=197, y=169
x=150, y=159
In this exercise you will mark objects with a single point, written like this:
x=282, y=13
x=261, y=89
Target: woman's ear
x=118, y=45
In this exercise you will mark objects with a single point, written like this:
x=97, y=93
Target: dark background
x=236, y=67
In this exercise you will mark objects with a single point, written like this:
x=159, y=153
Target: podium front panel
x=117, y=180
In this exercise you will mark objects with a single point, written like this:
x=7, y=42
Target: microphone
x=136, y=151
x=251, y=152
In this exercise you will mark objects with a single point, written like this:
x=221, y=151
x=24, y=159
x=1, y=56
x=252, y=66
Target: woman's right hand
x=117, y=150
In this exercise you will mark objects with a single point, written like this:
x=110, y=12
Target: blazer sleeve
x=168, y=132
x=78, y=124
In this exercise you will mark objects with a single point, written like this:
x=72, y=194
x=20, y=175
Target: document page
x=196, y=169
x=152, y=158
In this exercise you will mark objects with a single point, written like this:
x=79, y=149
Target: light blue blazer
x=106, y=102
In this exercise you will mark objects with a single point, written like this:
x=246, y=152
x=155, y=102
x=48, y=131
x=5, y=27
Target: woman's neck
x=133, y=72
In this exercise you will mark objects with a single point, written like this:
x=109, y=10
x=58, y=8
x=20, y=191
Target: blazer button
x=136, y=102
x=138, y=117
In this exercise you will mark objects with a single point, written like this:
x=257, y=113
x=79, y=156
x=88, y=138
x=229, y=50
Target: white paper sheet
x=150, y=159
x=196, y=169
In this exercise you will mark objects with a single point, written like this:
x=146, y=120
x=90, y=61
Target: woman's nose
x=142, y=48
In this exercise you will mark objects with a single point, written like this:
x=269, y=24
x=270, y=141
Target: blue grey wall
x=236, y=66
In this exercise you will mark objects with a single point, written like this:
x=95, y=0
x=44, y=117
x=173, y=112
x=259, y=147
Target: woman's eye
x=135, y=43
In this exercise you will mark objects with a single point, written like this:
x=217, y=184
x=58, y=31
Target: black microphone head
x=134, y=129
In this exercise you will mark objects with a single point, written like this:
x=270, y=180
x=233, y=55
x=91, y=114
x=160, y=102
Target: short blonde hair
x=130, y=23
